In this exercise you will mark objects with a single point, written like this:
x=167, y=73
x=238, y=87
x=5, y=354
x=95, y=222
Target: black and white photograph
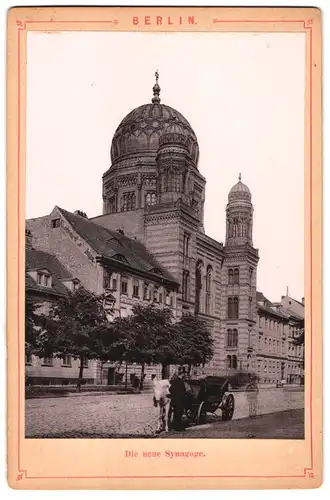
x=164, y=238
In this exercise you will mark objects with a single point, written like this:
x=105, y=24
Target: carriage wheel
x=228, y=408
x=201, y=415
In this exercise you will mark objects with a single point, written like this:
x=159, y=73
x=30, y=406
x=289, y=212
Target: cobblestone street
x=109, y=415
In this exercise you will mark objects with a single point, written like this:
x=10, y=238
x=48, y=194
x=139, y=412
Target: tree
x=33, y=322
x=147, y=336
x=115, y=343
x=151, y=329
x=300, y=341
x=151, y=336
x=196, y=341
x=73, y=327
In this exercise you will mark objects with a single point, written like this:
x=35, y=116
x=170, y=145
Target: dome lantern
x=156, y=90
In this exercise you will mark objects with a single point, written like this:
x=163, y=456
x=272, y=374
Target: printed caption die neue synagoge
x=150, y=245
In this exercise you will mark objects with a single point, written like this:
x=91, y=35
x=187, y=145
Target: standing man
x=178, y=396
x=252, y=392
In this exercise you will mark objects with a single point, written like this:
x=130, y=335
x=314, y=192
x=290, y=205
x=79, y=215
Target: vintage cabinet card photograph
x=164, y=227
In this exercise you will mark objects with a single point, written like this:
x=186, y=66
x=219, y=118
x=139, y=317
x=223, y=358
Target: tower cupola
x=239, y=215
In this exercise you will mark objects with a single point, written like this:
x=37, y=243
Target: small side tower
x=239, y=215
x=238, y=282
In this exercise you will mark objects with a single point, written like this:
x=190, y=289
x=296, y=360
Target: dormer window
x=56, y=223
x=44, y=278
x=120, y=257
x=155, y=270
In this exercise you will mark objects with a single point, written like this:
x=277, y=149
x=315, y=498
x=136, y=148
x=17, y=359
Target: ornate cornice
x=165, y=218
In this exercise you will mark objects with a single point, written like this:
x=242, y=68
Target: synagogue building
x=149, y=244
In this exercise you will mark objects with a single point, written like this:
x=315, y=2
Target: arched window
x=128, y=201
x=150, y=199
x=208, y=278
x=230, y=276
x=232, y=338
x=229, y=361
x=208, y=286
x=236, y=307
x=164, y=182
x=198, y=285
x=233, y=307
x=154, y=141
x=230, y=229
x=248, y=229
x=230, y=307
x=177, y=182
x=234, y=362
x=194, y=152
x=235, y=337
x=185, y=282
x=236, y=276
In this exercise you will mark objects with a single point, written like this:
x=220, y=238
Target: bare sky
x=243, y=94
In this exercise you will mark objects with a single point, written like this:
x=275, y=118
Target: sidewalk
x=280, y=425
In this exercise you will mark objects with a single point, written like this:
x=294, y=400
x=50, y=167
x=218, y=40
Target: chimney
x=81, y=214
x=28, y=238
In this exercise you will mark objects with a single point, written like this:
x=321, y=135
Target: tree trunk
x=126, y=376
x=101, y=372
x=164, y=371
x=81, y=371
x=142, y=376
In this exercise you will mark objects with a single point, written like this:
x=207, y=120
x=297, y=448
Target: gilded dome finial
x=156, y=89
x=239, y=177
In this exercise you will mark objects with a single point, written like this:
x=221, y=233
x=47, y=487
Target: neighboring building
x=100, y=260
x=295, y=312
x=46, y=281
x=150, y=243
x=279, y=357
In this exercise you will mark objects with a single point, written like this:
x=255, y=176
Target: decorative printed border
x=307, y=27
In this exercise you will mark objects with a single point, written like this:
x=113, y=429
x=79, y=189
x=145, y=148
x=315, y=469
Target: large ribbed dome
x=139, y=132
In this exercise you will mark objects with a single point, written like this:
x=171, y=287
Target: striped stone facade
x=153, y=194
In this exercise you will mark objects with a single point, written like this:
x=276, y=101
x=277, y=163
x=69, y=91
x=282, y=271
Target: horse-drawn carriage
x=206, y=395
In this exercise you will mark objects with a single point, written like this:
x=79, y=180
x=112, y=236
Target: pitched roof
x=267, y=306
x=109, y=244
x=37, y=260
x=261, y=297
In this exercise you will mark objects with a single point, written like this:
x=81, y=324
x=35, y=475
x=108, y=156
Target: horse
x=161, y=398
